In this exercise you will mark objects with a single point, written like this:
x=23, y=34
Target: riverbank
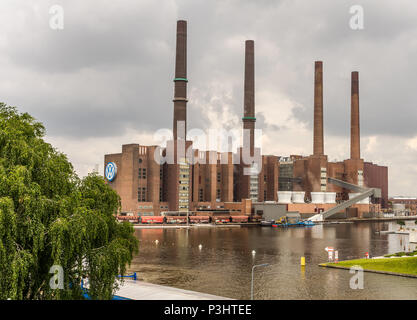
x=184, y=226
x=382, y=219
x=253, y=224
x=404, y=266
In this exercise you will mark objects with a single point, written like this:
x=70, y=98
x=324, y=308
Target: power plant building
x=187, y=179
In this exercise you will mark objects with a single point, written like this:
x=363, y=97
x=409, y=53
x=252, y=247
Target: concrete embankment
x=140, y=290
x=252, y=224
x=184, y=226
x=383, y=219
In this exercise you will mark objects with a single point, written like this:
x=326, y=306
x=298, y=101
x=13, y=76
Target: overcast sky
x=106, y=78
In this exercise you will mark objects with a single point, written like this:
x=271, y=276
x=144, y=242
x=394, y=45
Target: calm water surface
x=223, y=265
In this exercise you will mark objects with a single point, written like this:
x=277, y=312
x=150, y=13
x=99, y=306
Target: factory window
x=264, y=194
x=160, y=195
x=264, y=178
x=218, y=177
x=140, y=173
x=200, y=195
x=161, y=174
x=218, y=194
x=144, y=173
x=140, y=160
x=141, y=194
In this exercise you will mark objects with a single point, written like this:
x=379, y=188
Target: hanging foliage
x=50, y=217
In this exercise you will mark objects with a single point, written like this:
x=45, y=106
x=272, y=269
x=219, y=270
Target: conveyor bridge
x=363, y=194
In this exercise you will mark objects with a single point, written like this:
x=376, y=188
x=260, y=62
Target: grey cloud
x=111, y=68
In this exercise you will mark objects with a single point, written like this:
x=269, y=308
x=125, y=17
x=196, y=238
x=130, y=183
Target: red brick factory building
x=216, y=181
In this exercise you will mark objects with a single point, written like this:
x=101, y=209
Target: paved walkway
x=140, y=290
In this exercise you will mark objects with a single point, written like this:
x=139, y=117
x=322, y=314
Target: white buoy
x=253, y=252
x=200, y=246
x=156, y=241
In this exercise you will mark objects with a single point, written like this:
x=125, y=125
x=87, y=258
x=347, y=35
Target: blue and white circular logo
x=111, y=171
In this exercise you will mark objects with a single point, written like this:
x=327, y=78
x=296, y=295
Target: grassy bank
x=402, y=254
x=397, y=265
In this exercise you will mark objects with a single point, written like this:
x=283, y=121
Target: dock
x=140, y=290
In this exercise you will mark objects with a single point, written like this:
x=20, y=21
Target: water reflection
x=222, y=266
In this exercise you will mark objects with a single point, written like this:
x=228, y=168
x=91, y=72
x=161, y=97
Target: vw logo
x=111, y=171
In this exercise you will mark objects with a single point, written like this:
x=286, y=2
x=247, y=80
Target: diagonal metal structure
x=348, y=203
x=346, y=185
x=363, y=194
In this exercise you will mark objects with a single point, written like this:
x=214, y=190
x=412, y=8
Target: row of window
x=142, y=173
x=142, y=194
x=201, y=198
x=218, y=207
x=145, y=214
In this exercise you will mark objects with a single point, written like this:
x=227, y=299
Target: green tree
x=48, y=216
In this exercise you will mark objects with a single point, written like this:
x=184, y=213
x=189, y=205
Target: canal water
x=222, y=264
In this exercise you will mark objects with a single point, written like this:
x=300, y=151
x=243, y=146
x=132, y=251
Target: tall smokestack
x=180, y=91
x=354, y=118
x=249, y=96
x=318, y=144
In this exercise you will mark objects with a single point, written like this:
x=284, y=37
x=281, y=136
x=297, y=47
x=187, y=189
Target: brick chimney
x=180, y=80
x=354, y=118
x=249, y=96
x=318, y=144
